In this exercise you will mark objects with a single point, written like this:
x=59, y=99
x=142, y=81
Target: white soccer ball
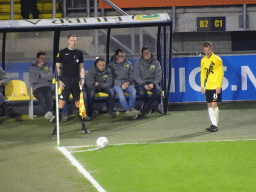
x=102, y=142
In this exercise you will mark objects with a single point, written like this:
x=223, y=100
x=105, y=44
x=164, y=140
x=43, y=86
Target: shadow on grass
x=102, y=124
x=182, y=137
x=225, y=105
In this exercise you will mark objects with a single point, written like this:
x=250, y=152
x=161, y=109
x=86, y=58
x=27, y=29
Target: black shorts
x=211, y=96
x=71, y=86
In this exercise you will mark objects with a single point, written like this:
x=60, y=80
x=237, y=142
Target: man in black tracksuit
x=71, y=76
x=147, y=76
x=100, y=79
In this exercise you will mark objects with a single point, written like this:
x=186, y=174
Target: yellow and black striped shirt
x=211, y=72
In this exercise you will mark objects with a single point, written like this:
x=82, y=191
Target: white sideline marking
x=225, y=140
x=73, y=160
x=86, y=150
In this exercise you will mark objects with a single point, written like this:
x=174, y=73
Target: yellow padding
x=47, y=7
x=100, y=94
x=48, y=16
x=18, y=98
x=7, y=9
x=18, y=17
x=42, y=7
x=16, y=90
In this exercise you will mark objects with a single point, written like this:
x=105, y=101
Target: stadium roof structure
x=61, y=24
x=161, y=19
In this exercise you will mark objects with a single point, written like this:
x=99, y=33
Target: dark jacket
x=104, y=78
x=40, y=76
x=3, y=78
x=123, y=72
x=147, y=71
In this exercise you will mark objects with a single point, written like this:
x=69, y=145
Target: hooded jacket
x=123, y=72
x=40, y=76
x=3, y=78
x=104, y=78
x=147, y=71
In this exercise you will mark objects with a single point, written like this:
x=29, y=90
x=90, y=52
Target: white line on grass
x=86, y=150
x=73, y=160
x=80, y=146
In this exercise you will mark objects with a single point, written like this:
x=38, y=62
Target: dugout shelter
x=97, y=37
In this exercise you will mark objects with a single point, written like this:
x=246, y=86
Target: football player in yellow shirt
x=211, y=83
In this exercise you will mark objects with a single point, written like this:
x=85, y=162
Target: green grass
x=203, y=166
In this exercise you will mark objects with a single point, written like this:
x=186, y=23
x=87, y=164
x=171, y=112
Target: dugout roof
x=161, y=20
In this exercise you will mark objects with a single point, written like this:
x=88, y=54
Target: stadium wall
x=239, y=81
x=164, y=3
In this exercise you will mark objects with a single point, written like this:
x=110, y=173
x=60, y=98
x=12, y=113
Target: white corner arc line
x=73, y=160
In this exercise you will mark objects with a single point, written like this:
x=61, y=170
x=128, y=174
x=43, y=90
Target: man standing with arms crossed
x=211, y=83
x=71, y=76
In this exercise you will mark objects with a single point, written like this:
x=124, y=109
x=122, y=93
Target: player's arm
x=220, y=74
x=202, y=77
x=82, y=73
x=58, y=68
x=62, y=85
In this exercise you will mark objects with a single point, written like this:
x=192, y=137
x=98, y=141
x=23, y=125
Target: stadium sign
x=206, y=24
x=239, y=82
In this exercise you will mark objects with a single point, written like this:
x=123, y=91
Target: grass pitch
x=30, y=161
x=202, y=166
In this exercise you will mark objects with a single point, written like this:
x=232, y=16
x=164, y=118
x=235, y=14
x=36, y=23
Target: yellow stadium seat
x=16, y=90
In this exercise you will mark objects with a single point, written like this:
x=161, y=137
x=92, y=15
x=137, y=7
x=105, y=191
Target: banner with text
x=239, y=82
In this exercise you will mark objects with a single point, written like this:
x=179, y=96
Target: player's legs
x=143, y=95
x=120, y=93
x=61, y=106
x=215, y=112
x=156, y=95
x=82, y=120
x=110, y=101
x=32, y=4
x=49, y=98
x=212, y=101
x=90, y=100
x=132, y=92
x=24, y=9
x=65, y=113
x=40, y=96
x=75, y=90
x=63, y=97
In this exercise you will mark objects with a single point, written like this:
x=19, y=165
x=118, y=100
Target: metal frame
x=166, y=74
